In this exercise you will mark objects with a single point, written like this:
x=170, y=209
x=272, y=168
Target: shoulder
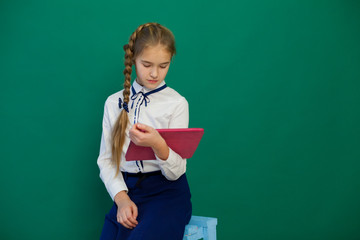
x=111, y=106
x=114, y=98
x=174, y=96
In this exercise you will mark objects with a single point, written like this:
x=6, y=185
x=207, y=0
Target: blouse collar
x=137, y=87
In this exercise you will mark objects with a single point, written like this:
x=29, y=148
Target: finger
x=131, y=135
x=131, y=221
x=134, y=139
x=134, y=214
x=123, y=222
x=119, y=220
x=134, y=136
x=143, y=127
x=135, y=211
x=135, y=132
x=127, y=218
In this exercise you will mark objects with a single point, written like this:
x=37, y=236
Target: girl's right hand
x=127, y=210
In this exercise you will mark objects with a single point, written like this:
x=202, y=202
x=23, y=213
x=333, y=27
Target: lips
x=152, y=81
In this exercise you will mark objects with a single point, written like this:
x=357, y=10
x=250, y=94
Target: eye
x=146, y=65
x=164, y=66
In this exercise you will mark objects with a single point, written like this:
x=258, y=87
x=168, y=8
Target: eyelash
x=150, y=66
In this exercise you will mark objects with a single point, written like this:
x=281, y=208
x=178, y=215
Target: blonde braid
x=129, y=59
x=122, y=121
x=129, y=54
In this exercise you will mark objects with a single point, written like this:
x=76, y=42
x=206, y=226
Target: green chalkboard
x=275, y=85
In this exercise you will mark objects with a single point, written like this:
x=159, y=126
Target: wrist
x=161, y=149
x=159, y=144
x=120, y=196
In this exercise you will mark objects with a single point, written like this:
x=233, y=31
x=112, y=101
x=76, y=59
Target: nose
x=154, y=73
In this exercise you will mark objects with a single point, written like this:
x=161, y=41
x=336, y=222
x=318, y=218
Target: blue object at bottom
x=201, y=228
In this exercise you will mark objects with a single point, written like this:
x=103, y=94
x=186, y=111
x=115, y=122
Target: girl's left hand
x=146, y=136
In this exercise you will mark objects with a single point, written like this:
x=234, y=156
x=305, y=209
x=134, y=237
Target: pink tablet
x=183, y=141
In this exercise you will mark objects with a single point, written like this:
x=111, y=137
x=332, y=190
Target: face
x=152, y=66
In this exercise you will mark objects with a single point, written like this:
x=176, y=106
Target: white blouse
x=159, y=108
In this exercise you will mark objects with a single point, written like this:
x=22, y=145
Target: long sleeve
x=175, y=166
x=113, y=184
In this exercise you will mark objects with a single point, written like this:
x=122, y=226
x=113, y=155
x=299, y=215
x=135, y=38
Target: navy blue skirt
x=164, y=209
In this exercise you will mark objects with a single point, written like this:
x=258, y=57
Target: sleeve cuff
x=171, y=153
x=115, y=188
x=173, y=167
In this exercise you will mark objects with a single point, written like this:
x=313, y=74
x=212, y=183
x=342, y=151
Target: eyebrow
x=144, y=61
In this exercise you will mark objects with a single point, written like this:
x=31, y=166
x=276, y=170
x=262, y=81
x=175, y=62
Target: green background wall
x=275, y=85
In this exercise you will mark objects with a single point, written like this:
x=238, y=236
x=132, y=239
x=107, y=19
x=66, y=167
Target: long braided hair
x=148, y=34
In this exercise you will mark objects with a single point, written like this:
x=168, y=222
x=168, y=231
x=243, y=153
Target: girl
x=151, y=198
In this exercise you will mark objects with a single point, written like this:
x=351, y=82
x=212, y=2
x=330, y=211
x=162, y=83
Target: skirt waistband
x=140, y=175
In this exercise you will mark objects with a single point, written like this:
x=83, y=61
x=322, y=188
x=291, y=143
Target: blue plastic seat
x=201, y=228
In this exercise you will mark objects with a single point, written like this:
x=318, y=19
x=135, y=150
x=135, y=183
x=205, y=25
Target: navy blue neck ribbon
x=145, y=99
x=135, y=95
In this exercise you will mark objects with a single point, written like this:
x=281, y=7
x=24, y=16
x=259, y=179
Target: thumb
x=143, y=127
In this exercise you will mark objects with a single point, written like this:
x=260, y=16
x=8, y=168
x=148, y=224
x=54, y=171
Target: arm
x=175, y=166
x=127, y=210
x=171, y=164
x=113, y=184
